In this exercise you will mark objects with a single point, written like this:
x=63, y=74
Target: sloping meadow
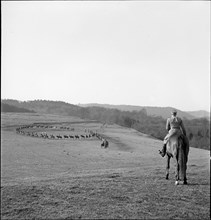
x=43, y=178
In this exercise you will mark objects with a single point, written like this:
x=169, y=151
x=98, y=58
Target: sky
x=154, y=53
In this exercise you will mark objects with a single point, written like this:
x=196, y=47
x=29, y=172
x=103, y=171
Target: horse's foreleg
x=167, y=166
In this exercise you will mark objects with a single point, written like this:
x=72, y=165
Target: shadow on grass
x=197, y=184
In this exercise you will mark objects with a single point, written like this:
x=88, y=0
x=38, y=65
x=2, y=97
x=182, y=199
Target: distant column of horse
x=22, y=130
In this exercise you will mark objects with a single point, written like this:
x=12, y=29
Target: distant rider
x=174, y=125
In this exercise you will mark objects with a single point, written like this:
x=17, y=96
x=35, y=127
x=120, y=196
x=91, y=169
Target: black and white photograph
x=105, y=109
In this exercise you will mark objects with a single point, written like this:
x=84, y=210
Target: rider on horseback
x=174, y=125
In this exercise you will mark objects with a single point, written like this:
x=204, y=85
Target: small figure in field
x=174, y=126
x=104, y=143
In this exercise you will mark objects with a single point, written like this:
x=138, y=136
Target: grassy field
x=77, y=179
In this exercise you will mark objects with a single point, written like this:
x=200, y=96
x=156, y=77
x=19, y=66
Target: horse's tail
x=182, y=158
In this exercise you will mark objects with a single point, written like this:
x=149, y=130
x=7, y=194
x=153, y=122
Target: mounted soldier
x=174, y=126
x=104, y=143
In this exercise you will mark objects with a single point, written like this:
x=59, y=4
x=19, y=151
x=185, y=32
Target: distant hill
x=200, y=114
x=43, y=106
x=164, y=112
x=63, y=108
x=11, y=108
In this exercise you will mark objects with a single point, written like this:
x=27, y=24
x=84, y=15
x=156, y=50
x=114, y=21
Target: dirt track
x=72, y=179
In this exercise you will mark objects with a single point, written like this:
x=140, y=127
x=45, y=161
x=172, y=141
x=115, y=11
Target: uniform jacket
x=175, y=123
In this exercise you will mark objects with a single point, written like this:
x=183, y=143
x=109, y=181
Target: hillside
x=200, y=114
x=58, y=107
x=77, y=179
x=44, y=106
x=11, y=108
x=164, y=112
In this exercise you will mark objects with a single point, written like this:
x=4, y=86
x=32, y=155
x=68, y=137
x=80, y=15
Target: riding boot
x=163, y=151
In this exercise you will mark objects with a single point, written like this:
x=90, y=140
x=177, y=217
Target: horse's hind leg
x=183, y=165
x=185, y=181
x=167, y=166
x=176, y=170
x=185, y=178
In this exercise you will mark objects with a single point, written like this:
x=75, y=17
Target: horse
x=104, y=143
x=178, y=148
x=77, y=137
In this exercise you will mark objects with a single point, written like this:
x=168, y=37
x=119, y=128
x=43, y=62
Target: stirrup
x=162, y=153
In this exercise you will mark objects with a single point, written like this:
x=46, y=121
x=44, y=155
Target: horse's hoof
x=167, y=177
x=185, y=182
x=177, y=183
